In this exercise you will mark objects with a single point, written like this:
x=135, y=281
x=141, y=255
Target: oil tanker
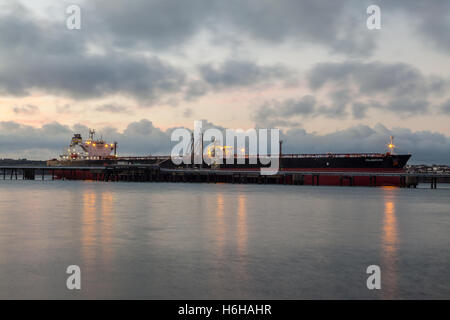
x=96, y=153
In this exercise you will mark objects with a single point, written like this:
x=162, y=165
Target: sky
x=136, y=70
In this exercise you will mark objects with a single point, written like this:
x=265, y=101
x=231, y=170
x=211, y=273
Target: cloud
x=408, y=107
x=147, y=80
x=26, y=110
x=336, y=26
x=157, y=24
x=235, y=73
x=112, y=108
x=338, y=106
x=333, y=25
x=394, y=87
x=167, y=24
x=277, y=113
x=375, y=78
x=428, y=19
x=445, y=107
x=47, y=57
x=359, y=110
x=352, y=87
x=196, y=89
x=116, y=53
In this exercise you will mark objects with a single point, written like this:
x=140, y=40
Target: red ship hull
x=323, y=177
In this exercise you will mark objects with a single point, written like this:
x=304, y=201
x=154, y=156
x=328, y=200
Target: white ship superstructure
x=90, y=149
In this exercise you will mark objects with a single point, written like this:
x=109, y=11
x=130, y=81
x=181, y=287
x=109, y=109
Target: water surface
x=222, y=241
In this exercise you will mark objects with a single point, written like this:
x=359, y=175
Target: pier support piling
x=433, y=183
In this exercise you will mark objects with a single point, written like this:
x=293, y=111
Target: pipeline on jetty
x=154, y=173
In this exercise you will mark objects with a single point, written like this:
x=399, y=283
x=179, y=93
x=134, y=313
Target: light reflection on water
x=242, y=237
x=220, y=226
x=106, y=225
x=220, y=235
x=390, y=247
x=218, y=241
x=89, y=224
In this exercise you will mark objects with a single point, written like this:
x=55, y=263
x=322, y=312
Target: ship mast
x=391, y=145
x=91, y=133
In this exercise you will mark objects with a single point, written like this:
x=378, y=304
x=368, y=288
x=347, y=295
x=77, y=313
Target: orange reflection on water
x=106, y=225
x=242, y=237
x=96, y=232
x=242, y=225
x=231, y=235
x=220, y=223
x=389, y=253
x=88, y=231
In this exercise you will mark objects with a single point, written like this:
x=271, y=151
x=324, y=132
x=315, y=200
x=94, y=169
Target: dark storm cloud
x=162, y=24
x=44, y=55
x=159, y=24
x=356, y=87
x=332, y=24
x=48, y=57
x=339, y=26
x=234, y=73
x=428, y=19
x=396, y=79
x=25, y=35
x=143, y=138
x=403, y=86
x=78, y=76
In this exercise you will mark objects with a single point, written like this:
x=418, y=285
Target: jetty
x=156, y=173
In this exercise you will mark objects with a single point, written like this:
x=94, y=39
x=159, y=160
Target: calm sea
x=222, y=241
